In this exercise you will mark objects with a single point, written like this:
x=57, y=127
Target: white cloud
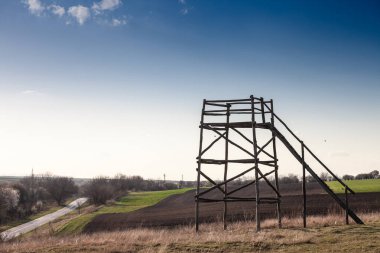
x=182, y=1
x=106, y=5
x=80, y=13
x=118, y=22
x=35, y=6
x=184, y=11
x=57, y=10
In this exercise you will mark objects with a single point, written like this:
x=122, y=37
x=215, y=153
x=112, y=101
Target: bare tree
x=59, y=188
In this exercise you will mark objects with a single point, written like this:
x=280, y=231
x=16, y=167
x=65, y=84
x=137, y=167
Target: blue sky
x=99, y=87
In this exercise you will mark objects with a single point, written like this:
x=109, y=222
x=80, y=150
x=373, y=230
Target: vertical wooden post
x=262, y=109
x=303, y=184
x=256, y=164
x=346, y=195
x=226, y=168
x=276, y=167
x=199, y=168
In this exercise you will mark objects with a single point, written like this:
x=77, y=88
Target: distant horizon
x=159, y=179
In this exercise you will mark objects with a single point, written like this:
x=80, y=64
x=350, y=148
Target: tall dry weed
x=163, y=240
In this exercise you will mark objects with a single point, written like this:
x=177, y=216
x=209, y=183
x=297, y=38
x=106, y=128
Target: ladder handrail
x=318, y=179
x=311, y=153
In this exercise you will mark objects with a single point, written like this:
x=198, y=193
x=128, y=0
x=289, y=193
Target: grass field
x=324, y=234
x=132, y=202
x=368, y=185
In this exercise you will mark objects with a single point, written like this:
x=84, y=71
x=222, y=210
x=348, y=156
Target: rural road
x=31, y=225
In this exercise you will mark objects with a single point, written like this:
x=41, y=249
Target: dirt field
x=179, y=209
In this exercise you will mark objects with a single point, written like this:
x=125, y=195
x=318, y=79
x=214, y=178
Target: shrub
x=9, y=199
x=99, y=190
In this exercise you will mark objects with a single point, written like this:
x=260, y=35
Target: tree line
x=371, y=175
x=291, y=178
x=33, y=193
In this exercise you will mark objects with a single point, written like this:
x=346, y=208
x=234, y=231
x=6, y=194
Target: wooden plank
x=227, y=181
x=262, y=109
x=212, y=181
x=269, y=183
x=242, y=135
x=250, y=183
x=244, y=124
x=303, y=184
x=233, y=143
x=226, y=167
x=228, y=100
x=254, y=140
x=214, y=104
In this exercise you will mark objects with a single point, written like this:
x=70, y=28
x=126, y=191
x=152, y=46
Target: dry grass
x=240, y=237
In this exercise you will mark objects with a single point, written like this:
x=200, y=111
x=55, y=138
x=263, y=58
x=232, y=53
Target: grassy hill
x=367, y=185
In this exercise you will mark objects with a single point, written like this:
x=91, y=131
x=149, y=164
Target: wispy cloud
x=35, y=7
x=118, y=22
x=182, y=1
x=57, y=10
x=80, y=13
x=31, y=92
x=104, y=5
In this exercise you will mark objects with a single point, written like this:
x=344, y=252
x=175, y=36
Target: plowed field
x=179, y=209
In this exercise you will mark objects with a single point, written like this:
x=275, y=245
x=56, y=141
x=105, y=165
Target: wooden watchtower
x=248, y=126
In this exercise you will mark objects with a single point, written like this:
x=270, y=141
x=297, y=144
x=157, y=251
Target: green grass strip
x=132, y=202
x=365, y=185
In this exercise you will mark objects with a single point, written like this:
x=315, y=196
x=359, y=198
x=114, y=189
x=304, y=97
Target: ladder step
x=247, y=124
x=214, y=161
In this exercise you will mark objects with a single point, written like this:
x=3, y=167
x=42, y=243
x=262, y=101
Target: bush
x=99, y=190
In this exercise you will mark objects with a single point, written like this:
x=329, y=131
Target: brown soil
x=179, y=209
